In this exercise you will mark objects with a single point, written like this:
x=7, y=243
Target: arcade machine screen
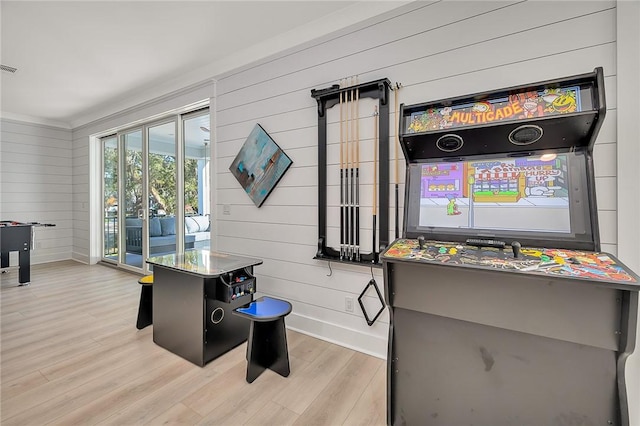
x=537, y=198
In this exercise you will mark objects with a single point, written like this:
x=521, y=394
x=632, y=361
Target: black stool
x=267, y=345
x=145, y=310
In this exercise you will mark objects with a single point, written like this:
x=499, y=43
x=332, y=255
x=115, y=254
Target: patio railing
x=110, y=235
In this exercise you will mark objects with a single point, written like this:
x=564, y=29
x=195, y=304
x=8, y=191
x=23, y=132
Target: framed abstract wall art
x=259, y=165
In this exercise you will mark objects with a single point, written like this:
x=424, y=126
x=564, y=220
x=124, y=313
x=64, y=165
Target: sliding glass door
x=133, y=196
x=156, y=189
x=163, y=199
x=110, y=191
x=197, y=176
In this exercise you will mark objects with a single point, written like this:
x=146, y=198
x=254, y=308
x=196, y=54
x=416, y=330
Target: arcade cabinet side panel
x=388, y=297
x=451, y=371
x=224, y=331
x=178, y=313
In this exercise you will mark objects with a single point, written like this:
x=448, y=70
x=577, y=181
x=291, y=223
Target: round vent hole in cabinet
x=525, y=135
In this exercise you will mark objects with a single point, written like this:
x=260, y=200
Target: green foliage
x=133, y=182
x=191, y=182
x=110, y=162
x=162, y=181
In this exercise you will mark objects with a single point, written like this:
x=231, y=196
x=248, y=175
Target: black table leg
x=24, y=260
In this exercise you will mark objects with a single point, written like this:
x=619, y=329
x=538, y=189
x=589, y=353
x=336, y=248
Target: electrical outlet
x=348, y=304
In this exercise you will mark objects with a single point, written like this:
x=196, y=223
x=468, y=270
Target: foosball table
x=18, y=236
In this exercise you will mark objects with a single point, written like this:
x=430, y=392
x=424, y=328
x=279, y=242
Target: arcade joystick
x=421, y=242
x=515, y=246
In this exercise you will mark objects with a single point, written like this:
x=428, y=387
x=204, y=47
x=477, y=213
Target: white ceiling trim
x=34, y=120
x=151, y=110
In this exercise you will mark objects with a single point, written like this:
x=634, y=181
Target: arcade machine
x=18, y=236
x=502, y=308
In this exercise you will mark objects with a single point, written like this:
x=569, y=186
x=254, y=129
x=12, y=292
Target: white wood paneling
x=608, y=226
x=604, y=160
x=436, y=50
x=441, y=28
x=36, y=185
x=628, y=160
x=606, y=193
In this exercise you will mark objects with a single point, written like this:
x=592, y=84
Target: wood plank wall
x=36, y=185
x=436, y=50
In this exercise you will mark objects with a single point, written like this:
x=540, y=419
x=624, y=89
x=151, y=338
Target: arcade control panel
x=493, y=254
x=233, y=286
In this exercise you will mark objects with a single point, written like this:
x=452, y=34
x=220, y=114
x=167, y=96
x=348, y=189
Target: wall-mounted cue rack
x=326, y=99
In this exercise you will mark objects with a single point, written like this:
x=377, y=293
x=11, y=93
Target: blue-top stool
x=267, y=345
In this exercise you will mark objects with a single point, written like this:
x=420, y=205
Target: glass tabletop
x=204, y=262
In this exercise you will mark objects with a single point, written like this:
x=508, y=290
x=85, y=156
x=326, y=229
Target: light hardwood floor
x=70, y=354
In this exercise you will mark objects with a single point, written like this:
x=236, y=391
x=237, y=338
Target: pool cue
x=347, y=181
x=374, y=253
x=357, y=198
x=352, y=171
x=398, y=85
x=342, y=217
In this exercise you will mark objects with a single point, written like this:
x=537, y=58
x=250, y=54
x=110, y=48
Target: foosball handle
x=515, y=246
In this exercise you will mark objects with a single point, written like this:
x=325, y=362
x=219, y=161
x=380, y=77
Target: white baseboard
x=37, y=258
x=334, y=333
x=80, y=257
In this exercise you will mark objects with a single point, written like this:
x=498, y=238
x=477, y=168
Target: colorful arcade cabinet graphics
x=556, y=262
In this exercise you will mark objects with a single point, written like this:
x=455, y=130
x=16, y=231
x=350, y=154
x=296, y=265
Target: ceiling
x=78, y=61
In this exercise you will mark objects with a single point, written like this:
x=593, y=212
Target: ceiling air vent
x=525, y=135
x=7, y=68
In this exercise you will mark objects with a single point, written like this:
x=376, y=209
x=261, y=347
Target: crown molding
x=37, y=121
x=81, y=125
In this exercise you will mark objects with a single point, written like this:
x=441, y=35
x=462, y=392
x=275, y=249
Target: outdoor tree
x=162, y=181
